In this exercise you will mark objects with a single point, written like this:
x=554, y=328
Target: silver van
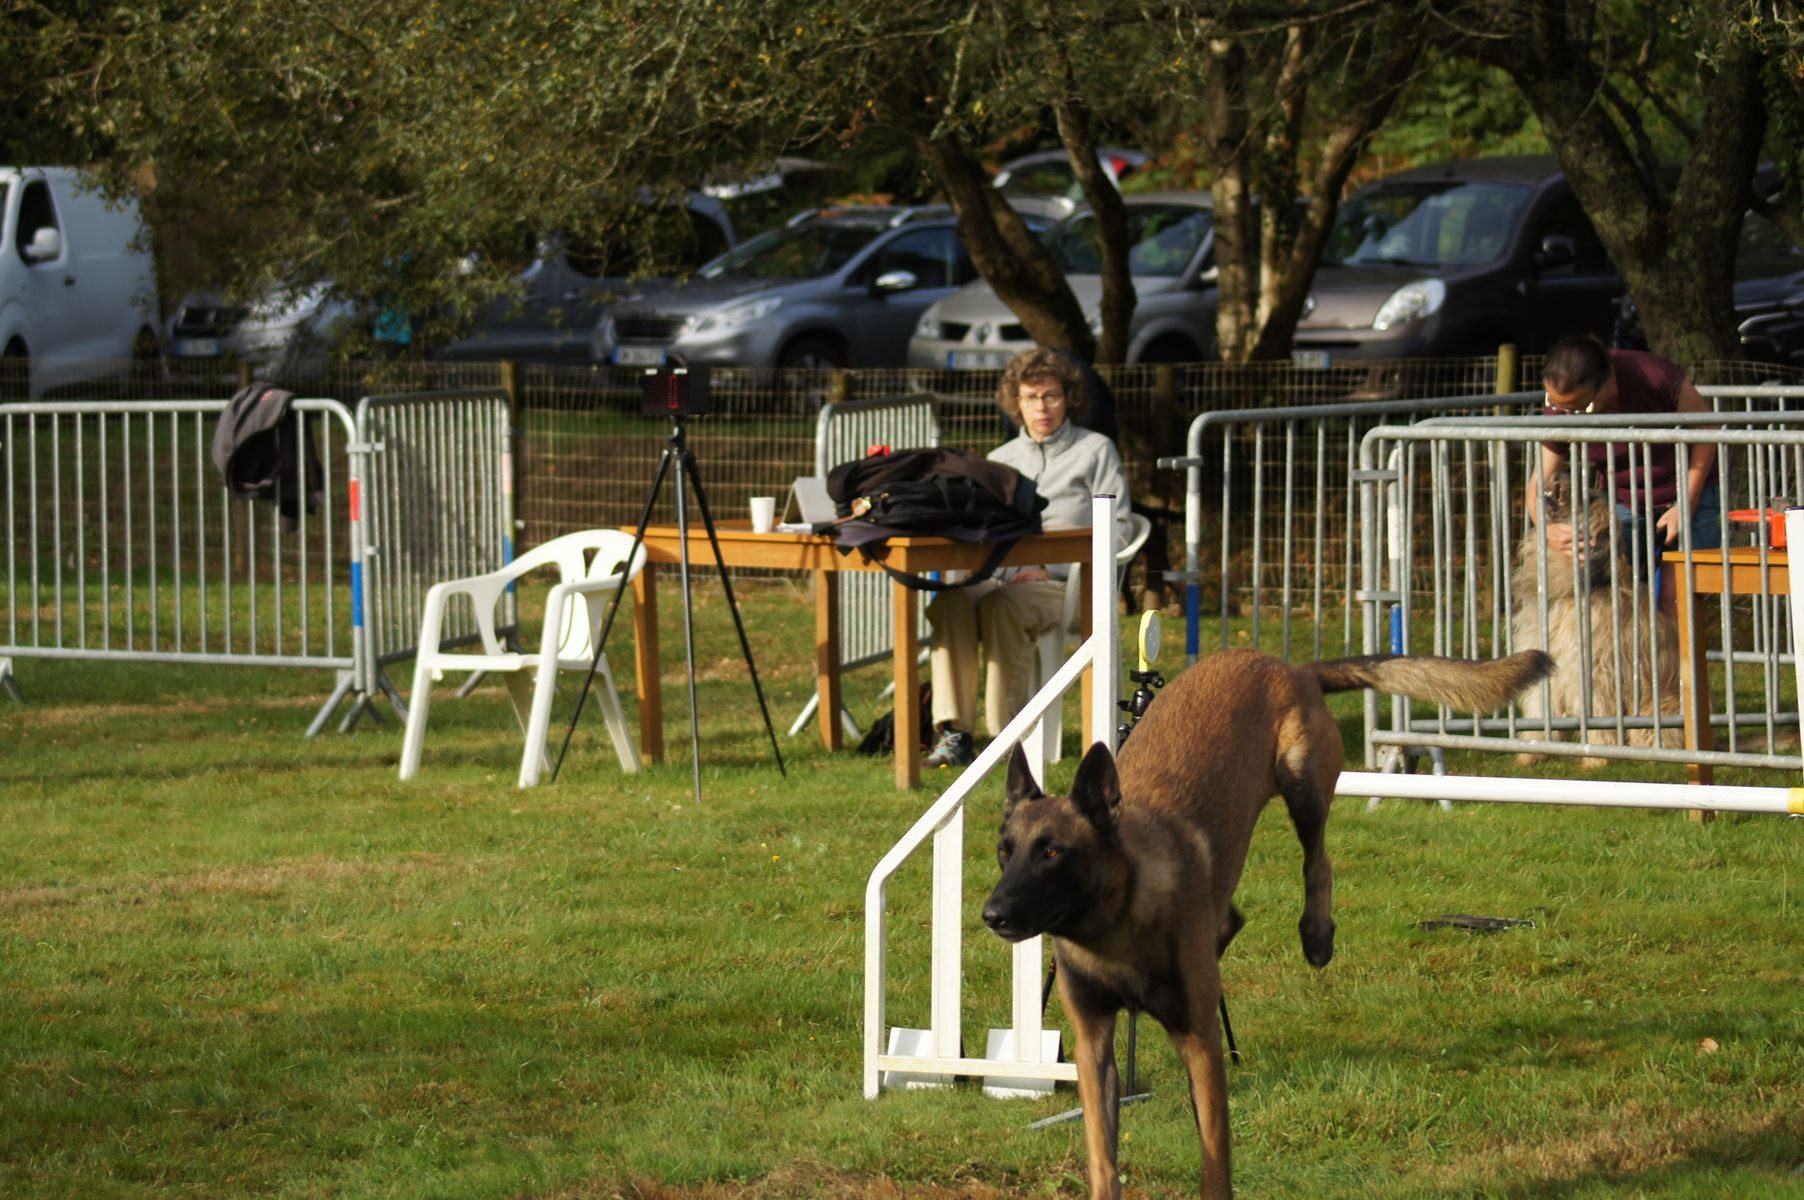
x=78, y=293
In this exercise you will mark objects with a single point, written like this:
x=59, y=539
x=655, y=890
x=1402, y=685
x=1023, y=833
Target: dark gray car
x=836, y=288
x=1455, y=260
x=557, y=299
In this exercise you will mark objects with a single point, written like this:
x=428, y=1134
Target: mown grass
x=236, y=962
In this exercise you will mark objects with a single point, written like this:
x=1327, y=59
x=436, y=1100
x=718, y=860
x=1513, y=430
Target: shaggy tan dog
x=1601, y=631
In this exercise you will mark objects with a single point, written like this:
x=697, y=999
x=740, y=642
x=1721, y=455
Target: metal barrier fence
x=1270, y=531
x=440, y=506
x=843, y=433
x=121, y=543
x=1303, y=542
x=1451, y=564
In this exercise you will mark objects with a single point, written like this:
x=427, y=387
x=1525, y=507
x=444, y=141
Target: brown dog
x=1604, y=633
x=1133, y=873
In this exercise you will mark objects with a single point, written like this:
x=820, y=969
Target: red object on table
x=1753, y=516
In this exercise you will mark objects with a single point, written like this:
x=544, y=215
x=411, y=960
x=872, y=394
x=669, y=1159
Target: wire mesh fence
x=585, y=454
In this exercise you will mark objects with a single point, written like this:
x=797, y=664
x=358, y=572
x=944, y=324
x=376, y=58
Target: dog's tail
x=1465, y=684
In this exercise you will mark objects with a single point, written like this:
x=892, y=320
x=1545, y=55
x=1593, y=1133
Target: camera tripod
x=677, y=454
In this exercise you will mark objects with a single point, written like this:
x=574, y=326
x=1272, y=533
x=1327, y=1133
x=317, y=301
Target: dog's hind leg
x=1306, y=771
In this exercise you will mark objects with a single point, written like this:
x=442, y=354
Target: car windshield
x=1053, y=177
x=793, y=252
x=1162, y=239
x=1434, y=224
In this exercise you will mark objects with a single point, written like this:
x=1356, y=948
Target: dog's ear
x=1021, y=782
x=1096, y=791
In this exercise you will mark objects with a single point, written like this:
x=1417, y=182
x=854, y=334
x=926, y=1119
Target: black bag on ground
x=936, y=491
x=880, y=739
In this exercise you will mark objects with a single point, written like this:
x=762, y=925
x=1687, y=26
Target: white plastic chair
x=589, y=574
x=1051, y=644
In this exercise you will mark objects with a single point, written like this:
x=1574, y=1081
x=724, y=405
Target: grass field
x=236, y=962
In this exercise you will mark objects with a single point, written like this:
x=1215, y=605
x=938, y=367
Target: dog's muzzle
x=1003, y=923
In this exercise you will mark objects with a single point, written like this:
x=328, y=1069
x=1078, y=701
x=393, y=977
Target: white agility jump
x=1027, y=1051
x=1022, y=1050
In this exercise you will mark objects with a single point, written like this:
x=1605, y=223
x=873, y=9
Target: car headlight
x=929, y=325
x=1411, y=302
x=739, y=314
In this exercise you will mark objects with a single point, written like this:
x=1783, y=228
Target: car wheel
x=1170, y=350
x=812, y=354
x=15, y=372
x=147, y=368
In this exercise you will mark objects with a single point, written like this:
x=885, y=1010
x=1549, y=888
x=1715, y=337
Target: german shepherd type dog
x=1599, y=627
x=1133, y=873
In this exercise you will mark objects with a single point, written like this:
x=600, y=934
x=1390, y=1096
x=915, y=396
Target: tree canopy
x=416, y=150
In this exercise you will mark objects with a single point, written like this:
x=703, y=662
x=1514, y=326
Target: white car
x=1172, y=259
x=1043, y=184
x=281, y=331
x=78, y=294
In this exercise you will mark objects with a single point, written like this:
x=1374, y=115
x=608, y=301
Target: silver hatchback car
x=837, y=287
x=1172, y=257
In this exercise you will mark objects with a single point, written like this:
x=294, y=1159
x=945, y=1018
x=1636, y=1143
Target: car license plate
x=195, y=348
x=639, y=356
x=978, y=360
x=1311, y=360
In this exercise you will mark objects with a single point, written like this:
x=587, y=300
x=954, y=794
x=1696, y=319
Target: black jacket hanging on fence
x=945, y=493
x=263, y=454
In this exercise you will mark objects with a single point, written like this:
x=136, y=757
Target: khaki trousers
x=994, y=626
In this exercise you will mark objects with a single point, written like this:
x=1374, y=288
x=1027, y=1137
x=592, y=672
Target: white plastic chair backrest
x=1138, y=529
x=584, y=613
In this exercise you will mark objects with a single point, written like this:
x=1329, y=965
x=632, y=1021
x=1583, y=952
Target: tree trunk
x=1675, y=245
x=1226, y=128
x=1279, y=224
x=1006, y=251
x=1264, y=280
x=1109, y=227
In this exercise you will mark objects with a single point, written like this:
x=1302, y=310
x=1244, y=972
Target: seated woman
x=993, y=626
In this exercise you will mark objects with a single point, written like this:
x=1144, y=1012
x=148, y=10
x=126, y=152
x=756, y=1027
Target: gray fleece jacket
x=1067, y=468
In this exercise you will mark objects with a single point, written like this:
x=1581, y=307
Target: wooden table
x=1711, y=574
x=740, y=547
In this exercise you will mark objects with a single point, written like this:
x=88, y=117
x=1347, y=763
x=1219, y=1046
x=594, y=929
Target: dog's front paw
x=1318, y=939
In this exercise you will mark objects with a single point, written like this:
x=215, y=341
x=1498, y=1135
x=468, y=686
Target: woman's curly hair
x=1045, y=365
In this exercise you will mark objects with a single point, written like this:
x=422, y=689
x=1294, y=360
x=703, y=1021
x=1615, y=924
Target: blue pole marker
x=1396, y=629
x=356, y=594
x=1192, y=618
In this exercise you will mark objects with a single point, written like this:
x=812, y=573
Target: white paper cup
x=764, y=513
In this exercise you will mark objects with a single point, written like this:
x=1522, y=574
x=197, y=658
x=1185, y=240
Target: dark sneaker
x=954, y=749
